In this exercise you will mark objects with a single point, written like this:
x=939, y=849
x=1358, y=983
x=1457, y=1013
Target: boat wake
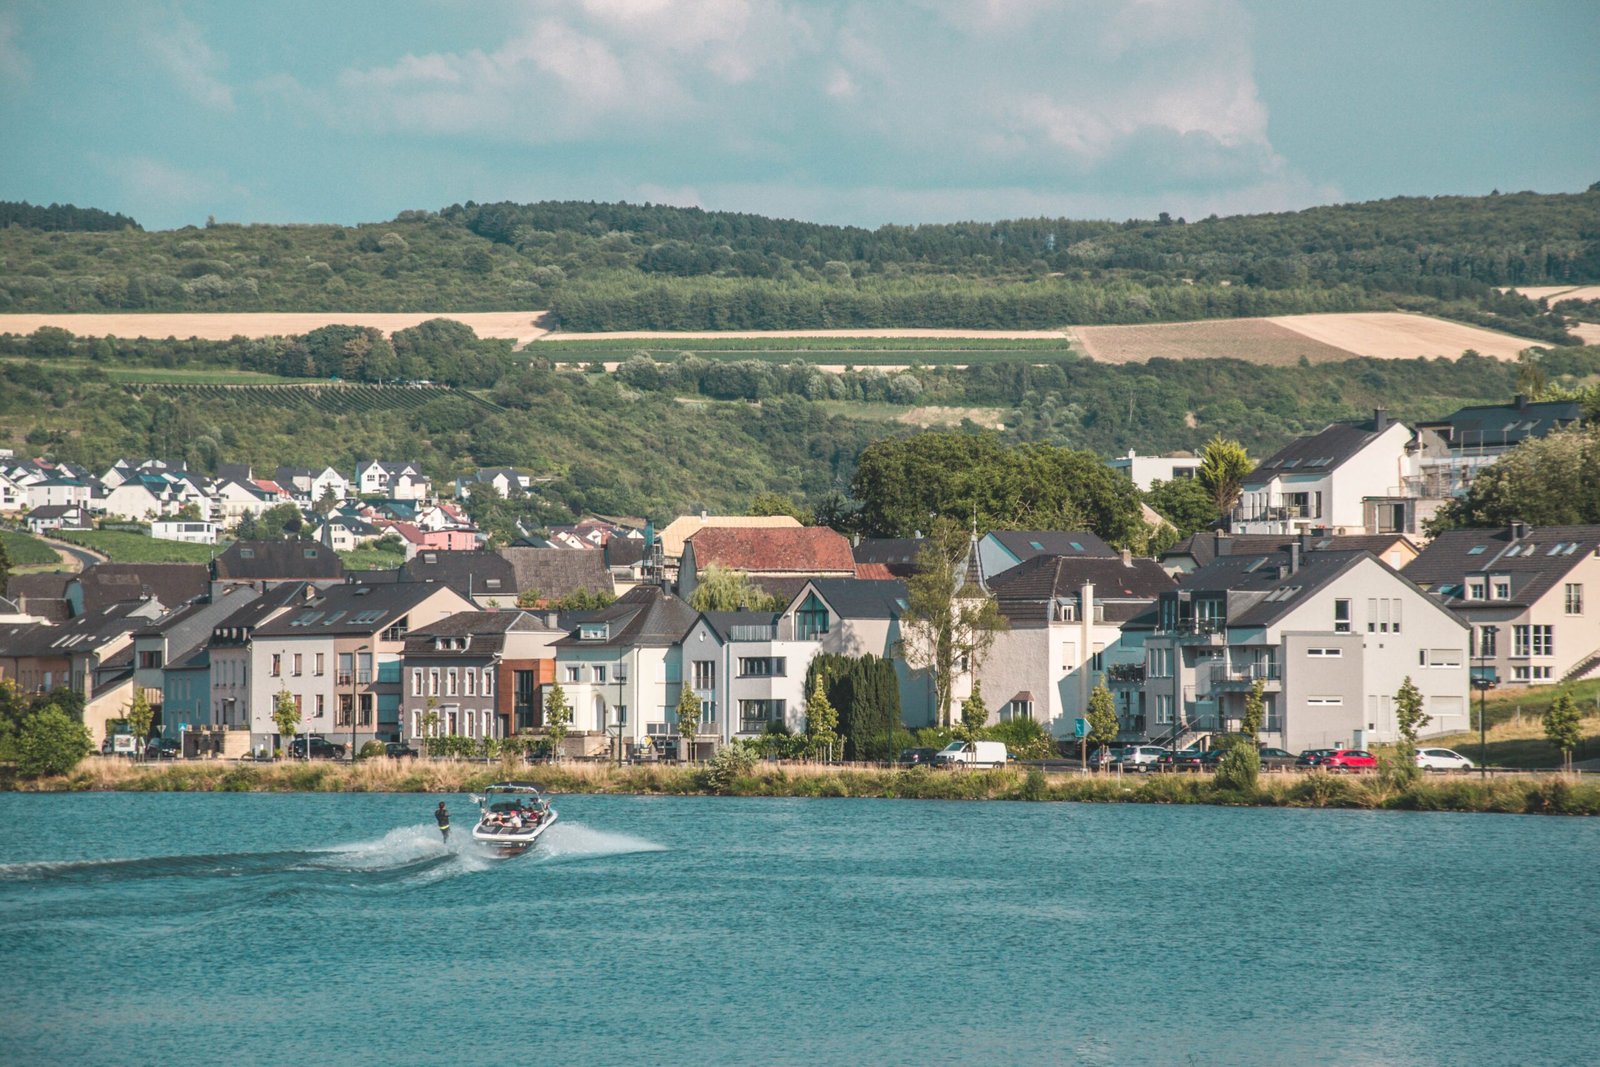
x=575, y=841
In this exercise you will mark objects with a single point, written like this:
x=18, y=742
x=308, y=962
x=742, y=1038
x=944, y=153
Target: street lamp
x=355, y=698
x=1484, y=683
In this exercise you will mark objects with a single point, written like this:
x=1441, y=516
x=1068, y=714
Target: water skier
x=442, y=817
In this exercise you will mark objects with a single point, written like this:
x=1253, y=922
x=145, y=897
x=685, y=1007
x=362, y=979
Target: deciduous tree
x=1102, y=716
x=50, y=742
x=557, y=718
x=689, y=710
x=1224, y=464
x=1563, y=727
x=947, y=626
x=286, y=717
x=139, y=715
x=721, y=589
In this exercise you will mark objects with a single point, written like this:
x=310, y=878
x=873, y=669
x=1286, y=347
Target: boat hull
x=505, y=842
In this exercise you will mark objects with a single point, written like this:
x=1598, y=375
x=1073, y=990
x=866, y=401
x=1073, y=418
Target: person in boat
x=441, y=816
x=515, y=822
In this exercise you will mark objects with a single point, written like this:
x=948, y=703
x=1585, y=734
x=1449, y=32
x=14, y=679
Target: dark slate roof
x=556, y=572
x=55, y=511
x=1320, y=452
x=1259, y=594
x=623, y=551
x=191, y=626
x=349, y=609
x=1504, y=425
x=1044, y=578
x=722, y=623
x=1202, y=547
x=643, y=617
x=854, y=598
x=1025, y=544
x=277, y=561
x=1535, y=558
x=44, y=592
x=468, y=573
x=248, y=616
x=174, y=584
x=897, y=554
x=83, y=634
x=487, y=629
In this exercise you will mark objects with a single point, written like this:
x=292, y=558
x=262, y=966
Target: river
x=337, y=928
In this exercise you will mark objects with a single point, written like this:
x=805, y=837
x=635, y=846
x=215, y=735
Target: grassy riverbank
x=1530, y=794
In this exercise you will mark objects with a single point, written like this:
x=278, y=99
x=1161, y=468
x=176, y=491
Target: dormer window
x=1500, y=589
x=594, y=631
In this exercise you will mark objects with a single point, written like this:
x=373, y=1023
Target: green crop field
x=829, y=352
x=331, y=398
x=198, y=376
x=121, y=546
x=25, y=550
x=383, y=555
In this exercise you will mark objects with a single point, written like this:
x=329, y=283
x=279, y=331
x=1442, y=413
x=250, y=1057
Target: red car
x=1346, y=760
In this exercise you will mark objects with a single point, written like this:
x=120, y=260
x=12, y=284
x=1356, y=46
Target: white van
x=971, y=754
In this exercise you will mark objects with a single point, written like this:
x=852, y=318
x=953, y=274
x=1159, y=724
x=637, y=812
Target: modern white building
x=186, y=530
x=1146, y=471
x=745, y=675
x=1322, y=482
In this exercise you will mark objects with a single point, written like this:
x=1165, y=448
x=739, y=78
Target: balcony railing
x=1194, y=627
x=1246, y=672
x=754, y=726
x=1126, y=672
x=752, y=633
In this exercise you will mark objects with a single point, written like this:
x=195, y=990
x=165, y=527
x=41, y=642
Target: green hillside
x=623, y=266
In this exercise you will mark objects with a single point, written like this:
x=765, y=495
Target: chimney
x=1127, y=557
x=1221, y=544
x=1305, y=541
x=1380, y=419
x=1518, y=530
x=1294, y=557
x=1520, y=401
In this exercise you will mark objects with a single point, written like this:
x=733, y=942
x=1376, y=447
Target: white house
x=1322, y=481
x=186, y=530
x=58, y=491
x=745, y=675
x=1146, y=471
x=396, y=481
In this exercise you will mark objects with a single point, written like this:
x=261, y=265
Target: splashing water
x=574, y=841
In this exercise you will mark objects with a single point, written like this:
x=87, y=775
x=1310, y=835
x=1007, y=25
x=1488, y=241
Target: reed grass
x=1550, y=794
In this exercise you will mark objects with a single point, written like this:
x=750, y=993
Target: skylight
x=1036, y=545
x=1476, y=550
x=1076, y=547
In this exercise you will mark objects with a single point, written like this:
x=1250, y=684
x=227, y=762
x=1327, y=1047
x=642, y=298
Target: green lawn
x=369, y=557
x=198, y=376
x=26, y=550
x=123, y=547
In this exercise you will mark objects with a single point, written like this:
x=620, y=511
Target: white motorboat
x=512, y=817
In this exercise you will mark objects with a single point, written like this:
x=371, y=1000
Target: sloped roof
x=43, y=594
x=896, y=556
x=1320, y=452
x=1535, y=558
x=556, y=572
x=796, y=550
x=1202, y=547
x=1497, y=425
x=852, y=598
x=723, y=623
x=1045, y=578
x=277, y=561
x=645, y=617
x=1026, y=544
x=174, y=584
x=350, y=609
x=476, y=573
x=679, y=530
x=486, y=628
x=83, y=634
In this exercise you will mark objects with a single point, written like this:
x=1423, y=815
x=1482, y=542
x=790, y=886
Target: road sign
x=1080, y=727
x=124, y=743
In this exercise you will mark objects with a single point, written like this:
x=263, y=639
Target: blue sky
x=850, y=111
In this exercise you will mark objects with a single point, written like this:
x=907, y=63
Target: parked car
x=971, y=754
x=1313, y=757
x=1277, y=759
x=1189, y=759
x=917, y=757
x=321, y=748
x=1139, y=757
x=1443, y=759
x=1345, y=760
x=163, y=748
x=398, y=750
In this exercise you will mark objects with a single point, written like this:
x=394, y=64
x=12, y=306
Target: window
x=754, y=715
x=1439, y=657
x=450, y=682
x=149, y=661
x=1476, y=589
x=811, y=620
x=343, y=716
x=1164, y=708
x=1532, y=641
x=1016, y=710
x=1325, y=702
x=1097, y=662
x=488, y=681
x=599, y=674
x=1341, y=616
x=1531, y=674
x=296, y=662
x=416, y=681
x=572, y=674
x=317, y=665
x=322, y=704
x=705, y=674
x=366, y=709
x=1161, y=663
x=763, y=666
x=1574, y=598
x=1500, y=589
x=277, y=664
x=1325, y=653
x=471, y=682
x=347, y=666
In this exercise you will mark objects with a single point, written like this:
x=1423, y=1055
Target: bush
x=1239, y=768
x=1023, y=738
x=731, y=763
x=371, y=749
x=50, y=743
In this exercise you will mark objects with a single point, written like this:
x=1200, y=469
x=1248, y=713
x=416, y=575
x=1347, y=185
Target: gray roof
x=722, y=623
x=174, y=584
x=1202, y=547
x=277, y=561
x=556, y=572
x=83, y=634
x=1025, y=544
x=856, y=598
x=1320, y=452
x=644, y=617
x=349, y=609
x=473, y=574
x=486, y=628
x=1535, y=558
x=898, y=554
x=237, y=627
x=1504, y=425
x=1135, y=584
x=190, y=627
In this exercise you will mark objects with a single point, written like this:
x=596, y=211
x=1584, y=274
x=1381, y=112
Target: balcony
x=753, y=633
x=1243, y=676
x=1210, y=632
x=1127, y=673
x=754, y=726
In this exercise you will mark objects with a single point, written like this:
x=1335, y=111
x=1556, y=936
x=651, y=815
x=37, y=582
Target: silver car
x=1139, y=757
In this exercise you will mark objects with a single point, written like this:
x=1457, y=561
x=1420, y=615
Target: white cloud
x=1055, y=96
x=179, y=47
x=15, y=66
x=172, y=191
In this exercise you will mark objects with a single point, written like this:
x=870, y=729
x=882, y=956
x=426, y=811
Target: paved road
x=83, y=556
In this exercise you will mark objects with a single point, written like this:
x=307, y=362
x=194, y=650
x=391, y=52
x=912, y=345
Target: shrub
x=1034, y=786
x=50, y=743
x=731, y=763
x=371, y=749
x=1239, y=768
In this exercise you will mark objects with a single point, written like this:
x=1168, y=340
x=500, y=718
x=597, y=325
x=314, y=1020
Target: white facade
x=58, y=491
x=130, y=500
x=1283, y=502
x=1145, y=471
x=644, y=682
x=186, y=530
x=746, y=678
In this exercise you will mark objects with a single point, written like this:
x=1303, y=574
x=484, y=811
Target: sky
x=861, y=112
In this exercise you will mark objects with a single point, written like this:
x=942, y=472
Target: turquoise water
x=308, y=929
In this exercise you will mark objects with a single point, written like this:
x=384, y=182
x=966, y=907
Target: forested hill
x=61, y=217
x=620, y=266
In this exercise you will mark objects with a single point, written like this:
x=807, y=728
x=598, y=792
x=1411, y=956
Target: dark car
x=917, y=757
x=1277, y=759
x=321, y=748
x=1189, y=759
x=1313, y=757
x=398, y=750
x=163, y=748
